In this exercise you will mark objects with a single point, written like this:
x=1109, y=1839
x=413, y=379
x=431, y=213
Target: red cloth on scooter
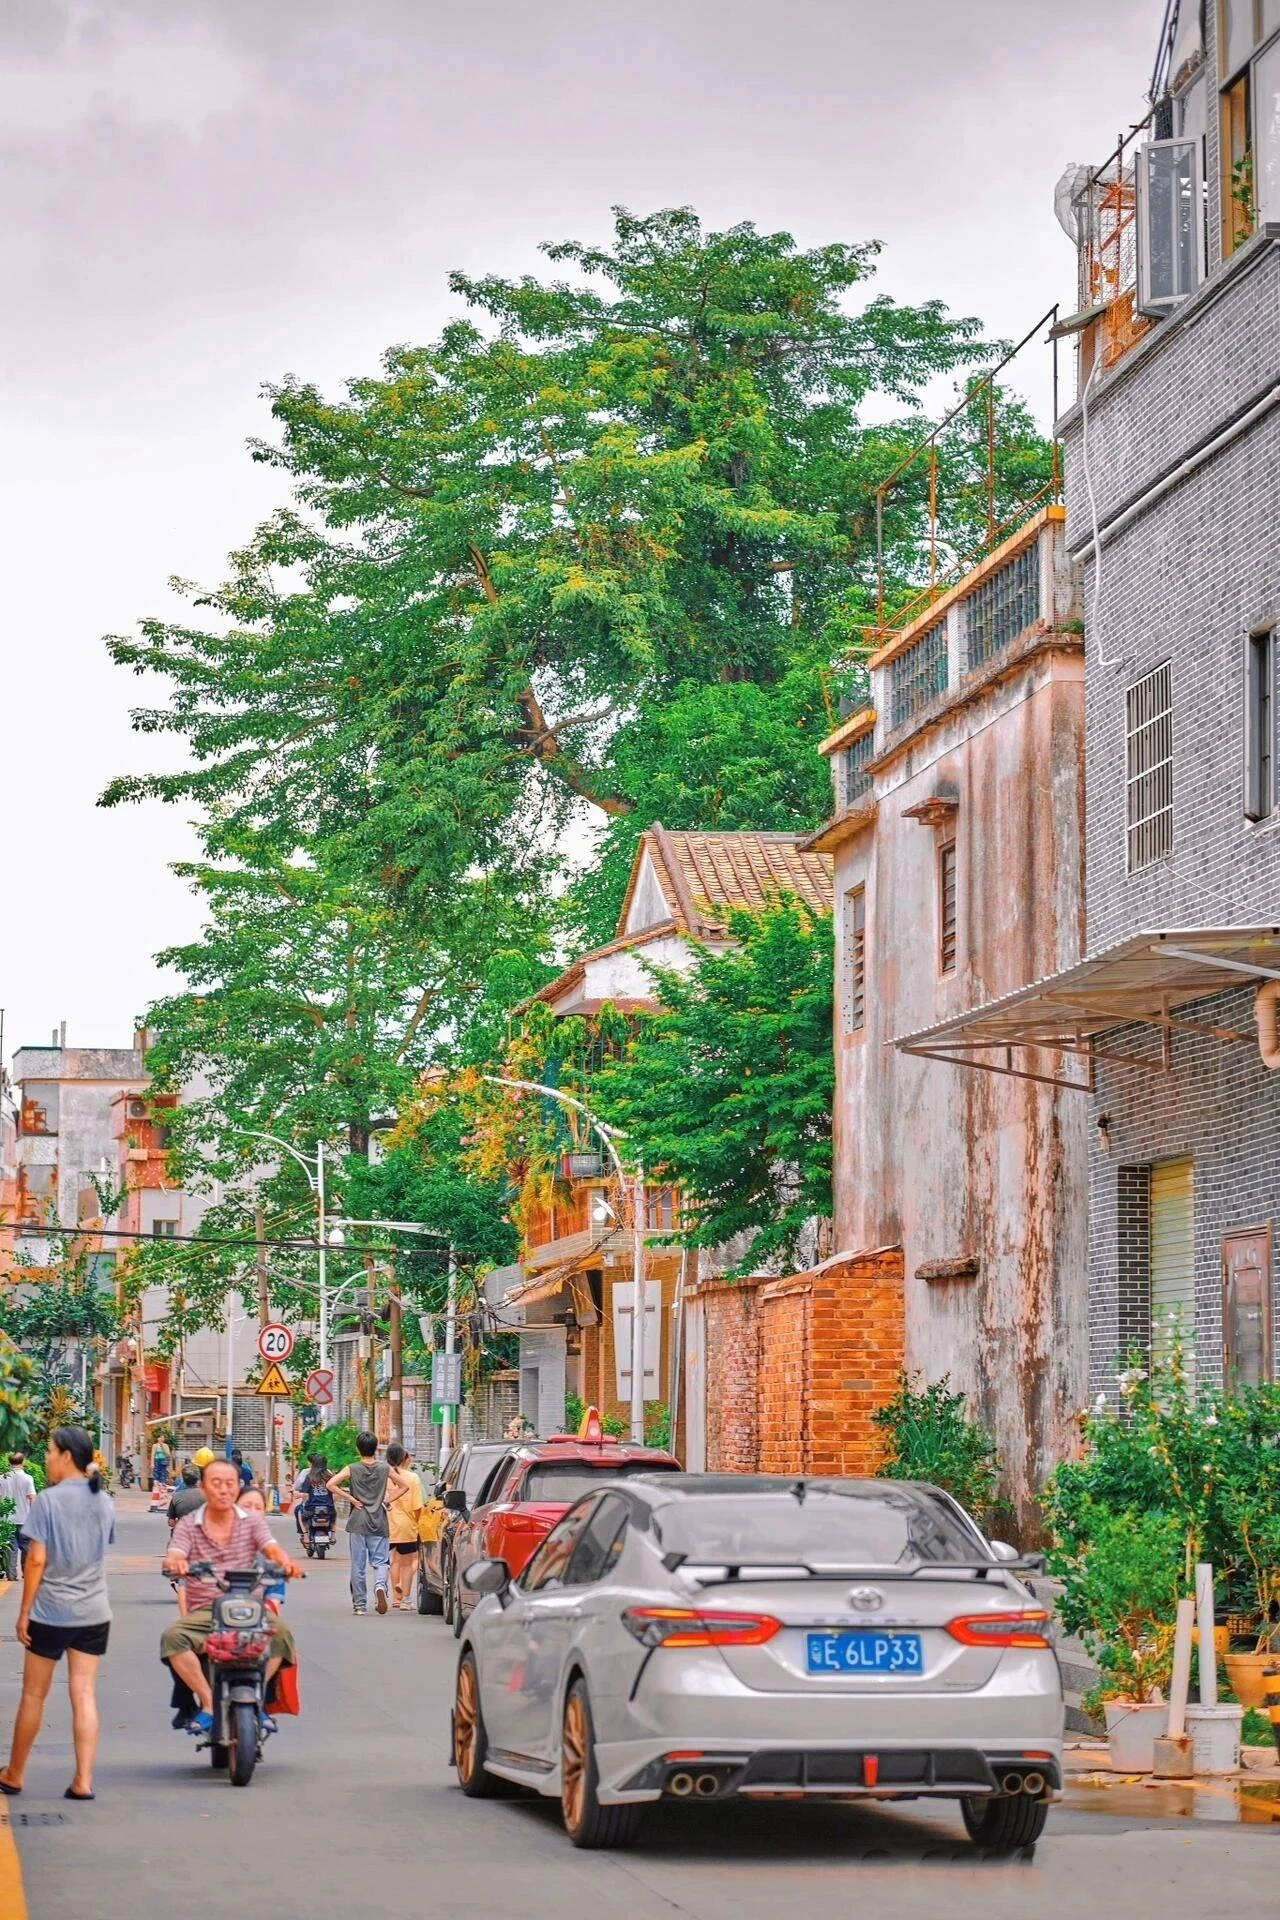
x=285, y=1697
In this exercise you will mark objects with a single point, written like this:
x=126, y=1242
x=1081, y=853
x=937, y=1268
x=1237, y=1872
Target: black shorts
x=50, y=1643
x=404, y=1546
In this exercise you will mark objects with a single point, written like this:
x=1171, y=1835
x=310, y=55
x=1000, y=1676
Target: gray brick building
x=1172, y=462
x=1172, y=481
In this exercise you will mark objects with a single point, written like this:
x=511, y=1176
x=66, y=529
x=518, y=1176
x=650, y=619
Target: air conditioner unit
x=137, y=1110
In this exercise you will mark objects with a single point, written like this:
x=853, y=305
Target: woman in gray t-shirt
x=64, y=1605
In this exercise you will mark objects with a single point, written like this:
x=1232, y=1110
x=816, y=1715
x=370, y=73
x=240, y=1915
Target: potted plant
x=1252, y=1513
x=1122, y=1578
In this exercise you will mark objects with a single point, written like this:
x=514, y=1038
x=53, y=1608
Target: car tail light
x=682, y=1627
x=1024, y=1629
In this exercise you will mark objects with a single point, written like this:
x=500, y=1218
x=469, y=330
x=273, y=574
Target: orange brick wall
x=732, y=1344
x=796, y=1367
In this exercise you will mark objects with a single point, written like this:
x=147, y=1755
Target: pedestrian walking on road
x=64, y=1606
x=402, y=1518
x=365, y=1485
x=18, y=1486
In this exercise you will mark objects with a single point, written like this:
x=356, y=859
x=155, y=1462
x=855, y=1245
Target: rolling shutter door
x=1173, y=1278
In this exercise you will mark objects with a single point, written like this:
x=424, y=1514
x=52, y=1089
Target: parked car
x=705, y=1637
x=532, y=1490
x=465, y=1474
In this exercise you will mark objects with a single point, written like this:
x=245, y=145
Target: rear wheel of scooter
x=244, y=1744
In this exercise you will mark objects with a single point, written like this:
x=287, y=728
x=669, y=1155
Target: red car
x=533, y=1490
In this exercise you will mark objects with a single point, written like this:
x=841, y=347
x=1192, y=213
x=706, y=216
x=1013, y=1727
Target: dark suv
x=467, y=1470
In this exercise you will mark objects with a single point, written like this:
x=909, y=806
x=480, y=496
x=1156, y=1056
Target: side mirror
x=1003, y=1552
x=455, y=1500
x=437, y=1492
x=487, y=1576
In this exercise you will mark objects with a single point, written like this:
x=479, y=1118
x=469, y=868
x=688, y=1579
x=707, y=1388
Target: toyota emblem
x=866, y=1599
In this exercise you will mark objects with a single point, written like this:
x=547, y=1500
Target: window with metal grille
x=918, y=675
x=857, y=757
x=855, y=960
x=947, y=908
x=1149, y=768
x=1260, y=724
x=1004, y=606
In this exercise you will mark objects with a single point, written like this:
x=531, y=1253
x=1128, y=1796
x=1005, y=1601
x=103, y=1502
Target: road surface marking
x=13, y=1903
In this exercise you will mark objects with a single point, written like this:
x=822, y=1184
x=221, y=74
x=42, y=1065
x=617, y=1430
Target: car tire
x=470, y=1740
x=446, y=1591
x=1004, y=1822
x=586, y=1822
x=429, y=1601
x=455, y=1602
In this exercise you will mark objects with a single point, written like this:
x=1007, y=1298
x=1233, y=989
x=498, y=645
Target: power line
x=216, y=1240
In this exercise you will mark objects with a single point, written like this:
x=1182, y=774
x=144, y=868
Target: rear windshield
x=477, y=1470
x=853, y=1529
x=565, y=1480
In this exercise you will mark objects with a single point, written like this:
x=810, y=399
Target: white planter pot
x=1132, y=1731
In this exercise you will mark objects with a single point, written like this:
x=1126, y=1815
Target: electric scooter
x=235, y=1656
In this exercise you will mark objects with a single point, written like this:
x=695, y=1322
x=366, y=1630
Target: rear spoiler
x=716, y=1573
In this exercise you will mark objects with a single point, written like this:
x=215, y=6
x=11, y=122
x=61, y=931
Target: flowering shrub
x=1171, y=1476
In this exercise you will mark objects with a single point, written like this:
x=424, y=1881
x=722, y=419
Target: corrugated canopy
x=1140, y=982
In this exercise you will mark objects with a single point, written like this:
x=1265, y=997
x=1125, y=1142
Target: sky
x=199, y=196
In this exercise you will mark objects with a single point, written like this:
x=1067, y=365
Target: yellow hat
x=203, y=1457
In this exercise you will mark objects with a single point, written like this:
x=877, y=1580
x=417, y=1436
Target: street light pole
x=322, y=1258
x=609, y=1134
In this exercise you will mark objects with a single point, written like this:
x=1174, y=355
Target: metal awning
x=1140, y=982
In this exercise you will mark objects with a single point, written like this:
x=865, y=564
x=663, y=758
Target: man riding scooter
x=225, y=1537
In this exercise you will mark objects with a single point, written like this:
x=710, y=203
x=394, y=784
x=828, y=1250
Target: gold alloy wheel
x=466, y=1714
x=573, y=1762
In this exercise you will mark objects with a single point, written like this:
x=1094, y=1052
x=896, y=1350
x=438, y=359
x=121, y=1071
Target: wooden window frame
x=1260, y=723
x=948, y=869
x=854, y=960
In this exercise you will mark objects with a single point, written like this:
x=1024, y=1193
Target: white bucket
x=1132, y=1731
x=1215, y=1737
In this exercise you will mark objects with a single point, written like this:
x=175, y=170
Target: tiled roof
x=705, y=874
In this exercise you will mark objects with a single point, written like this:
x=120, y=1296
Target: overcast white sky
x=200, y=195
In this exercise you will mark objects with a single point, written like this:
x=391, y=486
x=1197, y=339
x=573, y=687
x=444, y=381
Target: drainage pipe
x=1179, y=473
x=1266, y=1011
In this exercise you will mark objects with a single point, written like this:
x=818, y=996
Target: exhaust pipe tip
x=707, y=1784
x=1033, y=1783
x=681, y=1784
x=1016, y=1782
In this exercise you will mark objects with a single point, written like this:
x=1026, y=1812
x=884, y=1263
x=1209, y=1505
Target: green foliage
x=1120, y=1594
x=18, y=1386
x=727, y=1092
x=1189, y=1475
x=929, y=1436
x=657, y=1425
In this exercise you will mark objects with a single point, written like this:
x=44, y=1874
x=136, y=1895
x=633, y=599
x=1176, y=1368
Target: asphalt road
x=354, y=1814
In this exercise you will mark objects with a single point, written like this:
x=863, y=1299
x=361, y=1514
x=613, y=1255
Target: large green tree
x=727, y=1091
x=510, y=552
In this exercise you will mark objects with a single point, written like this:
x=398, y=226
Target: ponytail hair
x=76, y=1442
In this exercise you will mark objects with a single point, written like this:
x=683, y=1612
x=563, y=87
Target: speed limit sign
x=275, y=1342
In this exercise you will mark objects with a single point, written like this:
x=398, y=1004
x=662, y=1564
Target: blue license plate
x=865, y=1653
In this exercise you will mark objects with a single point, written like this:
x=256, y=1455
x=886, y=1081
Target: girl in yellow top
x=402, y=1519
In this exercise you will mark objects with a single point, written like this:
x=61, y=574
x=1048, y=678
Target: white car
x=703, y=1636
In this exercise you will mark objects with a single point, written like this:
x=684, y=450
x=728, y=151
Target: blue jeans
x=368, y=1551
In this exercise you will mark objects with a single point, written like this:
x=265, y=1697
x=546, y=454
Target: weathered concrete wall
x=957, y=1165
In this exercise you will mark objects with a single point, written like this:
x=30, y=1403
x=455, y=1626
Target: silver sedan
x=701, y=1636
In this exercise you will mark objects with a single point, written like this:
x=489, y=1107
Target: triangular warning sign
x=273, y=1383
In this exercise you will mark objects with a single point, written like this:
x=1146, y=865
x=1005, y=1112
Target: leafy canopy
x=727, y=1091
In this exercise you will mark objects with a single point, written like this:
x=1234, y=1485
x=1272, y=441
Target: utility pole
x=449, y=1425
x=638, y=1312
x=396, y=1387
x=260, y=1234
